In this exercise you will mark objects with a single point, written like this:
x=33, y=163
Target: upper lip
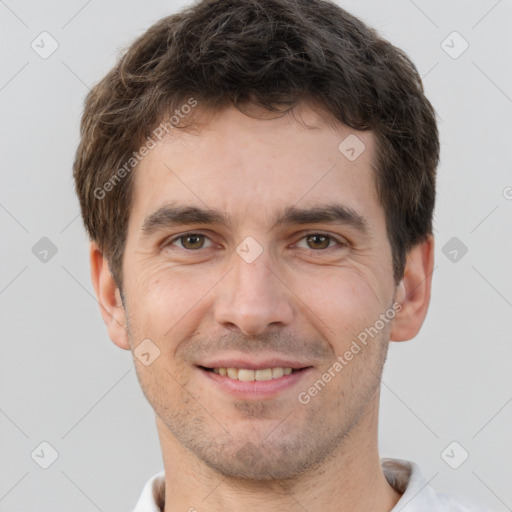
x=254, y=363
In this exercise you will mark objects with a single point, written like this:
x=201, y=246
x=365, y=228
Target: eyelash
x=337, y=241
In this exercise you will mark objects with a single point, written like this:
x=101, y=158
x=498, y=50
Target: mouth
x=250, y=381
x=251, y=375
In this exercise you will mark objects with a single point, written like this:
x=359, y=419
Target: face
x=257, y=245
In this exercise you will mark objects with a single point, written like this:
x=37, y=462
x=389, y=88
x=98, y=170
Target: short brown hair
x=269, y=53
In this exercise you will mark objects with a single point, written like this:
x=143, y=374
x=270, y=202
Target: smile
x=249, y=375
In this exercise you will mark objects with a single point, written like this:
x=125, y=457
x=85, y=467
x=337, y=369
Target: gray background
x=62, y=380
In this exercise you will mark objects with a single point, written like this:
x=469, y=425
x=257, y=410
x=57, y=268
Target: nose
x=253, y=297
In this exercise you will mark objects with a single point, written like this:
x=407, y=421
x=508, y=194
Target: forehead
x=248, y=165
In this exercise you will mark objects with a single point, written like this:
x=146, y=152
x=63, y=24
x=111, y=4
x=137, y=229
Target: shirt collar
x=402, y=475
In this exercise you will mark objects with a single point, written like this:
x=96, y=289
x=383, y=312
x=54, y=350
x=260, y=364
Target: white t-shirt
x=403, y=476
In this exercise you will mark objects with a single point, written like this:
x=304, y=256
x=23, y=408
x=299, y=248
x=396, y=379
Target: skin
x=302, y=298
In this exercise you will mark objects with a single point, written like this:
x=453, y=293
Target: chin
x=265, y=461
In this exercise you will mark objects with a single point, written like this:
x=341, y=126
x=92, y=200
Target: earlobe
x=413, y=292
x=109, y=298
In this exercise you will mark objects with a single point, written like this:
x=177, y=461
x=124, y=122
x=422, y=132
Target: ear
x=413, y=292
x=109, y=298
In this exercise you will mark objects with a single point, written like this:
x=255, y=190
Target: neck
x=350, y=481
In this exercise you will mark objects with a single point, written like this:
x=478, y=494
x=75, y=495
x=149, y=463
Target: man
x=258, y=179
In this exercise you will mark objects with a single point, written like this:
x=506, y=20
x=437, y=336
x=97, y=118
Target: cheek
x=340, y=306
x=166, y=302
x=169, y=303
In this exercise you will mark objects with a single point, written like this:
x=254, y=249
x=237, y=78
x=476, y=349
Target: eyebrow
x=171, y=215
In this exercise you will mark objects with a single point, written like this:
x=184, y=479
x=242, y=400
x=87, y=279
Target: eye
x=317, y=241
x=191, y=241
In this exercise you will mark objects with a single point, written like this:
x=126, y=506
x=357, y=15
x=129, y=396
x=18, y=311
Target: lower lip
x=257, y=389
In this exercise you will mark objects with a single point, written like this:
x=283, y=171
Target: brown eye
x=318, y=241
x=191, y=241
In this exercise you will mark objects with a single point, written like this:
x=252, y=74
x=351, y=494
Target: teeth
x=265, y=374
x=248, y=375
x=232, y=373
x=277, y=372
